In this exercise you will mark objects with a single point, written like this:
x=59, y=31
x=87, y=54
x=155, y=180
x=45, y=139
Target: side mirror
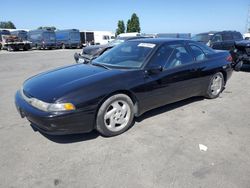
x=154, y=69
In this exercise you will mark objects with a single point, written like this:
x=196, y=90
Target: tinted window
x=162, y=55
x=237, y=36
x=178, y=57
x=198, y=53
x=227, y=36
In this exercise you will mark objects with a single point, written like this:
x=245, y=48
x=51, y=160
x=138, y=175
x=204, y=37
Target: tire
x=115, y=115
x=9, y=48
x=216, y=86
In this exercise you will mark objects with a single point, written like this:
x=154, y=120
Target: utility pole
x=248, y=20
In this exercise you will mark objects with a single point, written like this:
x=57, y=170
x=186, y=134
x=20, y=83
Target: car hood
x=242, y=43
x=93, y=50
x=52, y=85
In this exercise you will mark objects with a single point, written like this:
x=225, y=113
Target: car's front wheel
x=216, y=86
x=115, y=115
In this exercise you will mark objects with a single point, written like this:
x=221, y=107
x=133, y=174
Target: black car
x=130, y=79
x=93, y=51
x=223, y=40
x=241, y=52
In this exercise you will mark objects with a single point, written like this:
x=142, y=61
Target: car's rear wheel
x=115, y=115
x=216, y=86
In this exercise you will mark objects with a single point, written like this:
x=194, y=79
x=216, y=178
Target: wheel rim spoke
x=118, y=117
x=109, y=114
x=216, y=85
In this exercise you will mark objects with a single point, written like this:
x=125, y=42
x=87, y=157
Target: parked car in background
x=246, y=36
x=93, y=51
x=223, y=40
x=42, y=38
x=21, y=34
x=68, y=38
x=126, y=81
x=241, y=52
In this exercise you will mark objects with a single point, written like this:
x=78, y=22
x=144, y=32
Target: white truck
x=12, y=42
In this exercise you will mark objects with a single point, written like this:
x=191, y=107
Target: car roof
x=159, y=40
x=214, y=32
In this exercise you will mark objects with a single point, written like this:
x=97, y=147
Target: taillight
x=229, y=58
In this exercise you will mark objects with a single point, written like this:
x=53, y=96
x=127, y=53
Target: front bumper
x=81, y=59
x=55, y=124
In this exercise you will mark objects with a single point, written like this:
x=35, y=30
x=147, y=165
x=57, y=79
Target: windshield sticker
x=146, y=45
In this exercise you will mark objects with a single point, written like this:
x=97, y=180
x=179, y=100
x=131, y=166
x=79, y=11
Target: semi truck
x=42, y=38
x=68, y=38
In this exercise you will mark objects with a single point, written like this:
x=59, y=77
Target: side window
x=198, y=53
x=161, y=56
x=178, y=57
x=227, y=36
x=217, y=38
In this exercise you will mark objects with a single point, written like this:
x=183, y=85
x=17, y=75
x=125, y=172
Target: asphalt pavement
x=160, y=150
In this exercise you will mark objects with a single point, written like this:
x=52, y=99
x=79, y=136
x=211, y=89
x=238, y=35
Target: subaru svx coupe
x=124, y=82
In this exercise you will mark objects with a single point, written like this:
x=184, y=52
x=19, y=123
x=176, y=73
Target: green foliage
x=47, y=27
x=121, y=27
x=133, y=24
x=7, y=25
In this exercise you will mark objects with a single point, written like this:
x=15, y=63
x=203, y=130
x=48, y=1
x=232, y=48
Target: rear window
x=207, y=50
x=237, y=36
x=227, y=36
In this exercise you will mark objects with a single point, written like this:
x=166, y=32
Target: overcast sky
x=158, y=16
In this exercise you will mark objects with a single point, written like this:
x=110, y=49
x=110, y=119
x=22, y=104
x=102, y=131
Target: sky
x=157, y=16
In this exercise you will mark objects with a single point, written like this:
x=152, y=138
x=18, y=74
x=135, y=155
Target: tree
x=128, y=26
x=47, y=27
x=133, y=24
x=121, y=27
x=7, y=25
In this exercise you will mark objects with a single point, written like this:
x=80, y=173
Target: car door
x=176, y=81
x=228, y=41
x=216, y=42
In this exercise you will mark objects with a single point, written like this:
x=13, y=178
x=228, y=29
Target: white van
x=103, y=37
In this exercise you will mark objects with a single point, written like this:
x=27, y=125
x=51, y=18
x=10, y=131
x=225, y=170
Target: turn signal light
x=69, y=106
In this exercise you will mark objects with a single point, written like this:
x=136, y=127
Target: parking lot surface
x=160, y=150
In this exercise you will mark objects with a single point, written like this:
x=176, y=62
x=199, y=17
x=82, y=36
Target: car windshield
x=130, y=54
x=202, y=38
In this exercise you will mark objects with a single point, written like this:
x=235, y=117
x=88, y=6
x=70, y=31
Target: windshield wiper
x=100, y=65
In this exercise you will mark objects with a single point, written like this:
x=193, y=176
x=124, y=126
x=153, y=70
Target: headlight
x=48, y=107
